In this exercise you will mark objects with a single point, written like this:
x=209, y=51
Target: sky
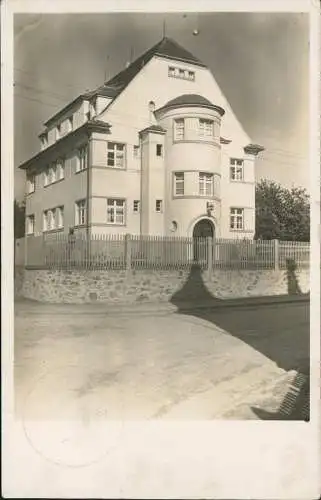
x=259, y=60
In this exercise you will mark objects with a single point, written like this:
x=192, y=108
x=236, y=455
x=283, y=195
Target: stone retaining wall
x=154, y=286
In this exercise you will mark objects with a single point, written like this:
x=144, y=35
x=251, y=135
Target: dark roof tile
x=192, y=100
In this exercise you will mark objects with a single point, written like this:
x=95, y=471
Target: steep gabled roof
x=167, y=48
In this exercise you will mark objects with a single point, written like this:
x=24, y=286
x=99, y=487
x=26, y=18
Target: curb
x=163, y=307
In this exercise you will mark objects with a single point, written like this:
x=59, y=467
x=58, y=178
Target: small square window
x=159, y=150
x=159, y=206
x=136, y=206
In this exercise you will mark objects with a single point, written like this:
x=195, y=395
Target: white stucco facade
x=161, y=155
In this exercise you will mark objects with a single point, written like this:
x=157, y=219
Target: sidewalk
x=35, y=307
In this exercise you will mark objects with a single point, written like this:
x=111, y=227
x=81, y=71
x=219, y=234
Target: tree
x=281, y=213
x=19, y=219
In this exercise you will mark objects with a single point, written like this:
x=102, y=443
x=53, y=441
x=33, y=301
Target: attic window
x=184, y=74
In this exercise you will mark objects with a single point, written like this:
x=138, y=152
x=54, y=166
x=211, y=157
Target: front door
x=203, y=229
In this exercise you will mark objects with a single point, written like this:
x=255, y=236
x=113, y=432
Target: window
x=30, y=183
x=60, y=165
x=179, y=129
x=136, y=206
x=159, y=150
x=48, y=220
x=206, y=128
x=136, y=151
x=30, y=224
x=116, y=155
x=236, y=169
x=205, y=184
x=179, y=183
x=116, y=211
x=81, y=212
x=51, y=174
x=159, y=206
x=82, y=158
x=44, y=140
x=184, y=74
x=60, y=217
x=237, y=218
x=53, y=218
x=70, y=123
x=58, y=132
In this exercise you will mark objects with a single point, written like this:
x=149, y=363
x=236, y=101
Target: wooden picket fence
x=61, y=251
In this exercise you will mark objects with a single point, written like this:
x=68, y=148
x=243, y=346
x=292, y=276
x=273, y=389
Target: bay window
x=205, y=184
x=179, y=183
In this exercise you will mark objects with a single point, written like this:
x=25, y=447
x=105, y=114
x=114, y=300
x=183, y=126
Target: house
x=156, y=150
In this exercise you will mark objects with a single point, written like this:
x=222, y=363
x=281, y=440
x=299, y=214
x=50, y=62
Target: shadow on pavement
x=279, y=331
x=295, y=405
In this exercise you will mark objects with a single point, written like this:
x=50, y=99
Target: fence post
x=210, y=256
x=128, y=253
x=276, y=255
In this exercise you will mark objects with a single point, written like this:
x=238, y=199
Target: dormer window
x=70, y=123
x=182, y=73
x=58, y=132
x=44, y=140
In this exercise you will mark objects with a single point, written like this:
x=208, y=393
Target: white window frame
x=31, y=183
x=206, y=184
x=179, y=129
x=46, y=177
x=48, y=220
x=82, y=158
x=70, y=123
x=236, y=169
x=53, y=173
x=53, y=218
x=60, y=165
x=191, y=75
x=30, y=224
x=116, y=211
x=205, y=127
x=50, y=174
x=58, y=131
x=182, y=73
x=237, y=219
x=44, y=140
x=136, y=206
x=60, y=217
x=116, y=151
x=81, y=212
x=179, y=183
x=159, y=206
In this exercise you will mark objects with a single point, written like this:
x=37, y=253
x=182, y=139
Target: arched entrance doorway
x=203, y=229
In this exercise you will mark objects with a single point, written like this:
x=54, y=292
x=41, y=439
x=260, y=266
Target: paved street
x=92, y=363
